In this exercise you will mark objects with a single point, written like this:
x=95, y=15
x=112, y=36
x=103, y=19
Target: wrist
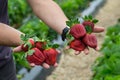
x=64, y=32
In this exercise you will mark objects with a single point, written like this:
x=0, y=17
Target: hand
x=45, y=65
x=86, y=50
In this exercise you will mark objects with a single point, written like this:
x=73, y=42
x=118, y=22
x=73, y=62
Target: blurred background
x=102, y=65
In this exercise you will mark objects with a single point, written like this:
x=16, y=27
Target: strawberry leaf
x=90, y=17
x=23, y=37
x=72, y=22
x=69, y=23
x=88, y=29
x=30, y=52
x=55, y=46
x=94, y=20
x=36, y=39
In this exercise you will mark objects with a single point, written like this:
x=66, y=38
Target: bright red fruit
x=28, y=44
x=77, y=45
x=89, y=24
x=77, y=31
x=90, y=40
x=37, y=57
x=50, y=55
x=34, y=59
x=40, y=45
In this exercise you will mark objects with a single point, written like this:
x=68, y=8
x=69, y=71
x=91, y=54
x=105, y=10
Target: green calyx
x=88, y=29
x=36, y=39
x=30, y=52
x=90, y=18
x=50, y=45
x=71, y=22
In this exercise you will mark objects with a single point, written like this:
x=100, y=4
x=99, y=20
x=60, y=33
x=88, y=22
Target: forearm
x=9, y=36
x=50, y=13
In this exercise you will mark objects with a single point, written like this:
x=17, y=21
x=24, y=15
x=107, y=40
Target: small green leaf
x=55, y=46
x=23, y=38
x=69, y=23
x=88, y=29
x=94, y=20
x=90, y=17
x=36, y=39
x=75, y=21
x=30, y=52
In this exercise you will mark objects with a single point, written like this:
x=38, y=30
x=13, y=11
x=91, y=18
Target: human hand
x=83, y=35
x=44, y=65
x=36, y=55
x=97, y=29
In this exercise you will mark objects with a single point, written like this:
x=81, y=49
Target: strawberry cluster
x=38, y=53
x=82, y=34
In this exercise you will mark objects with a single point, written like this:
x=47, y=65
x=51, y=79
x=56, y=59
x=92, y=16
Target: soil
x=78, y=67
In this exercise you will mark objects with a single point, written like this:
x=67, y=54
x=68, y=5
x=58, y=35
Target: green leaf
x=22, y=36
x=73, y=21
x=88, y=29
x=69, y=23
x=55, y=46
x=94, y=20
x=36, y=39
x=90, y=17
x=30, y=52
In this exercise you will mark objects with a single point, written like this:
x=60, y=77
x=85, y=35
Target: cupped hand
x=97, y=29
x=44, y=65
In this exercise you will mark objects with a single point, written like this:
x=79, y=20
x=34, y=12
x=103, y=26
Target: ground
x=78, y=67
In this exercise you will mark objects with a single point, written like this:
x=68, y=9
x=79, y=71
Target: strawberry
x=89, y=24
x=77, y=31
x=40, y=45
x=50, y=55
x=77, y=45
x=34, y=59
x=90, y=40
x=29, y=44
x=36, y=56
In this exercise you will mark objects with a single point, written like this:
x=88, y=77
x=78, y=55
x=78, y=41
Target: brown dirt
x=72, y=67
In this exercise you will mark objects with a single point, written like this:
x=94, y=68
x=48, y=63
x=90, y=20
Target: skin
x=45, y=10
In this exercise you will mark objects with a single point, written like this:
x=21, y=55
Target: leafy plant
x=107, y=67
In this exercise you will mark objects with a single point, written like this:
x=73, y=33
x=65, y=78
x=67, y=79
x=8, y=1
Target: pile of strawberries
x=83, y=34
x=37, y=53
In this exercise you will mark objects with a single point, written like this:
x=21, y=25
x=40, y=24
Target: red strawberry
x=77, y=45
x=38, y=53
x=40, y=45
x=51, y=56
x=89, y=24
x=90, y=40
x=34, y=59
x=37, y=57
x=77, y=31
x=28, y=44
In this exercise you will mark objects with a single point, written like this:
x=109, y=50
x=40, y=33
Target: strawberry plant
x=107, y=67
x=73, y=7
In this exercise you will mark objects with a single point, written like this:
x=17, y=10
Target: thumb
x=17, y=49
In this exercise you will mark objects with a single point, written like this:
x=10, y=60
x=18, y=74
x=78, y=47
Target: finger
x=77, y=52
x=32, y=64
x=17, y=49
x=86, y=51
x=67, y=47
x=97, y=48
x=98, y=29
x=45, y=65
x=56, y=64
x=58, y=51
